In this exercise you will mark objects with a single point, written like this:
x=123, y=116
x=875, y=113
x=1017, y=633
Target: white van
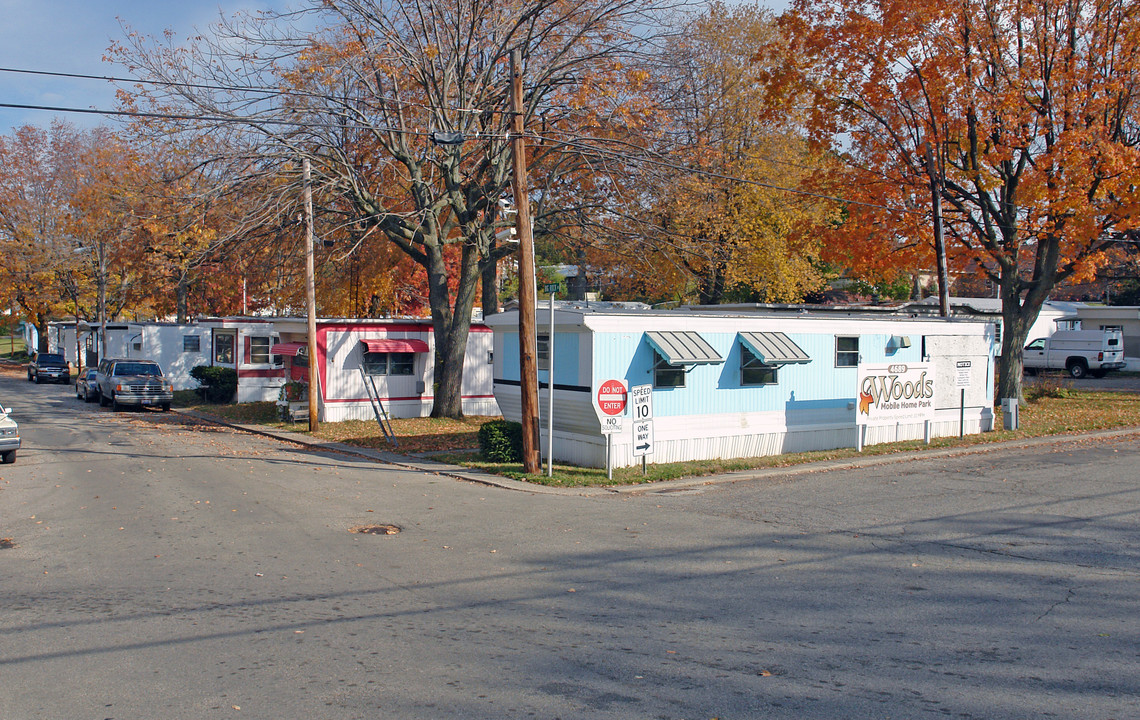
x=1078, y=352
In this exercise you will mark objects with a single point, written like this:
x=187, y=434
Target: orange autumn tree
x=101, y=224
x=1030, y=113
x=36, y=249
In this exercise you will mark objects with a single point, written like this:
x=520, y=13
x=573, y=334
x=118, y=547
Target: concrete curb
x=664, y=486
x=901, y=456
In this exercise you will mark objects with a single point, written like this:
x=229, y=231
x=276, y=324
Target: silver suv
x=125, y=381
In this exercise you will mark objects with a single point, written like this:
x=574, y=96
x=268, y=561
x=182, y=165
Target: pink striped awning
x=290, y=349
x=391, y=345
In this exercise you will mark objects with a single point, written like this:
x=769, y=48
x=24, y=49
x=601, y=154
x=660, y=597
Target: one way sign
x=643, y=438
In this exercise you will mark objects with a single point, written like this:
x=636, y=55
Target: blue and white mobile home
x=739, y=385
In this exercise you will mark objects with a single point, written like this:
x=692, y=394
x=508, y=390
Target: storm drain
x=375, y=529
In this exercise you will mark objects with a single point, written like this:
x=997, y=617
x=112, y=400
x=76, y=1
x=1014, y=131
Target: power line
x=263, y=90
x=296, y=93
x=237, y=120
x=233, y=120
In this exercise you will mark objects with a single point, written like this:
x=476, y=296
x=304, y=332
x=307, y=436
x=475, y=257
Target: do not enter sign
x=611, y=397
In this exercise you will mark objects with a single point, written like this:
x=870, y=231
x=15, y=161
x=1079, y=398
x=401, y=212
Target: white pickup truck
x=1078, y=352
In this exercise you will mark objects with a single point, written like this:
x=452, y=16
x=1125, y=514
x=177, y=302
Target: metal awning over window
x=774, y=348
x=394, y=345
x=290, y=349
x=683, y=348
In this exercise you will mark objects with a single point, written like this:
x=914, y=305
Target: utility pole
x=311, y=299
x=939, y=242
x=528, y=342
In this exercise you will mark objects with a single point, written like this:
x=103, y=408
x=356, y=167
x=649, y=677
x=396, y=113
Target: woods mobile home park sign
x=900, y=392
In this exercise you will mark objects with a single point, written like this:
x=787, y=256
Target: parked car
x=9, y=436
x=86, y=387
x=130, y=381
x=49, y=366
x=1078, y=352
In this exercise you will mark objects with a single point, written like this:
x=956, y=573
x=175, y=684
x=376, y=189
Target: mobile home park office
x=398, y=354
x=742, y=384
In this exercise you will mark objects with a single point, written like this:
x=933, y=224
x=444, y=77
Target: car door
x=1034, y=354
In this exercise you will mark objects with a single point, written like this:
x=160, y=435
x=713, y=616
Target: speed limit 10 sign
x=642, y=398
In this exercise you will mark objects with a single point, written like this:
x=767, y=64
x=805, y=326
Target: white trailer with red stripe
x=396, y=353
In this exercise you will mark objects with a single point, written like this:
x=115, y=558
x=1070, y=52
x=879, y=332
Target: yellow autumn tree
x=725, y=217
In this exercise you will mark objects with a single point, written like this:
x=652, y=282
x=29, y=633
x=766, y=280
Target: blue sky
x=72, y=36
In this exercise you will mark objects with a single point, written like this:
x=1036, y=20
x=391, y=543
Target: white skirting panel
x=710, y=437
x=259, y=390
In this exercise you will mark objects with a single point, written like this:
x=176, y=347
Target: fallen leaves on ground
x=415, y=435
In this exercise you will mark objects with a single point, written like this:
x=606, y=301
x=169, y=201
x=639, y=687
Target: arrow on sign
x=643, y=447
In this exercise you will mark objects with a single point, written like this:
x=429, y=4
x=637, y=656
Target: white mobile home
x=741, y=384
x=396, y=354
x=175, y=347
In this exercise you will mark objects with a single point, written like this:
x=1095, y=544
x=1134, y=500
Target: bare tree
x=402, y=110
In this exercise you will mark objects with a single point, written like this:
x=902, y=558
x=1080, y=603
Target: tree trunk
x=1017, y=318
x=490, y=288
x=451, y=326
x=41, y=332
x=576, y=286
x=710, y=285
x=182, y=300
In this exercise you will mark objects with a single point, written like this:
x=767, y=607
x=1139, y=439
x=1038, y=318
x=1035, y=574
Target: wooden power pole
x=528, y=342
x=311, y=300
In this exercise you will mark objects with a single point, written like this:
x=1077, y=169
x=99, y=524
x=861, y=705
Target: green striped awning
x=774, y=348
x=683, y=348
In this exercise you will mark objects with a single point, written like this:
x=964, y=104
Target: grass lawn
x=1051, y=409
x=415, y=435
x=12, y=347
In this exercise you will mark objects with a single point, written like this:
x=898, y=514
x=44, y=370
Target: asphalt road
x=163, y=570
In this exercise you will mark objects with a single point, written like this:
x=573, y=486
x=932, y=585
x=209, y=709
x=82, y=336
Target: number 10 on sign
x=642, y=398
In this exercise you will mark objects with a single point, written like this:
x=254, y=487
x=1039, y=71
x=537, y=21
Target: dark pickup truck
x=49, y=366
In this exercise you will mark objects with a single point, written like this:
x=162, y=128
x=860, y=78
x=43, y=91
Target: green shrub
x=501, y=441
x=218, y=384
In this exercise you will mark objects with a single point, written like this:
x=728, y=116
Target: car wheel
x=102, y=400
x=29, y=376
x=165, y=407
x=9, y=457
x=1078, y=370
x=37, y=379
x=88, y=396
x=115, y=406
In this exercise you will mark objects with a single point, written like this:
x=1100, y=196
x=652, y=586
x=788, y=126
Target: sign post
x=642, y=422
x=962, y=380
x=552, y=290
x=609, y=404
